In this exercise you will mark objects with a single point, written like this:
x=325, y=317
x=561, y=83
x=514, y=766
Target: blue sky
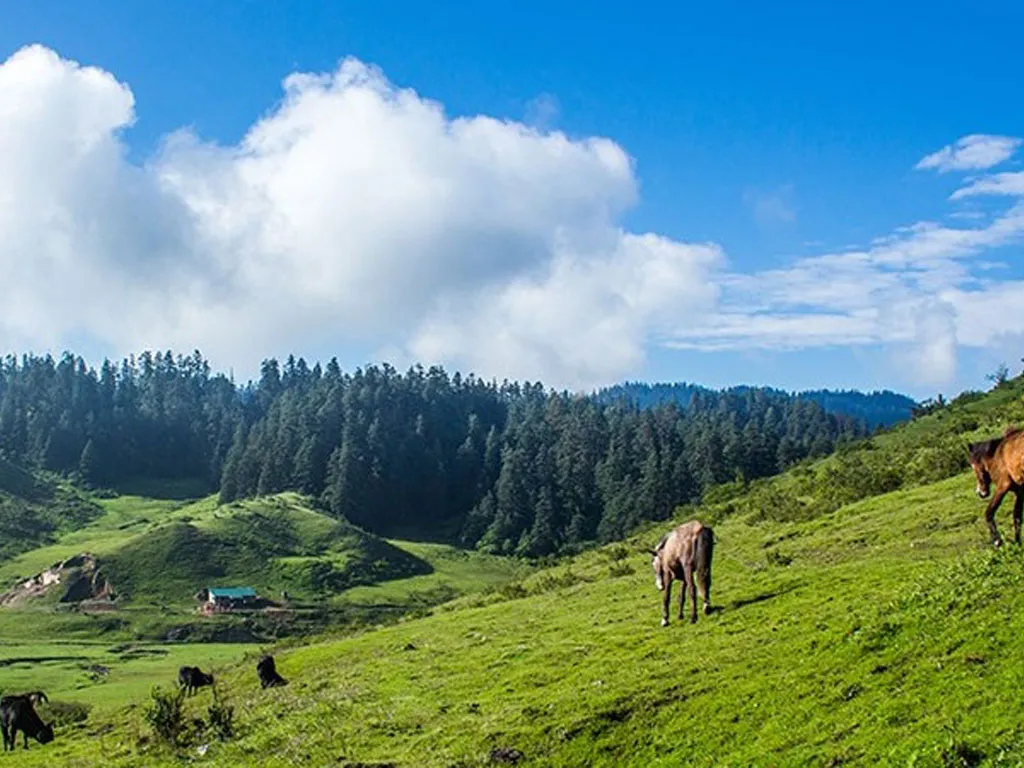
x=784, y=138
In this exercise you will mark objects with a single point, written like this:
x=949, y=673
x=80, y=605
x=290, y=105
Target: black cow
x=18, y=713
x=193, y=678
x=267, y=671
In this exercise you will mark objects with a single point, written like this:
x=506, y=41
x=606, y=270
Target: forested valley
x=509, y=467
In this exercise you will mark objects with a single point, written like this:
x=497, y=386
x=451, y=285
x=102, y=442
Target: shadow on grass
x=759, y=598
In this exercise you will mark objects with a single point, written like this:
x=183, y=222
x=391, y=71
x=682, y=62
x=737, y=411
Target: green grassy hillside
x=864, y=621
x=882, y=633
x=160, y=552
x=270, y=544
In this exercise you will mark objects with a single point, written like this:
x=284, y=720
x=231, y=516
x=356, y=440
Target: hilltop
x=864, y=621
x=147, y=559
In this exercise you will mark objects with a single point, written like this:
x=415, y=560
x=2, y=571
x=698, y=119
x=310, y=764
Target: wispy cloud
x=774, y=207
x=919, y=288
x=1011, y=183
x=976, y=152
x=542, y=111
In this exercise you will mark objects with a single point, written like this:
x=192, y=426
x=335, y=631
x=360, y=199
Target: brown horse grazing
x=682, y=554
x=999, y=461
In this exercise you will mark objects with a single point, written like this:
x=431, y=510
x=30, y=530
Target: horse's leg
x=990, y=515
x=693, y=597
x=706, y=588
x=687, y=583
x=666, y=599
x=1018, y=512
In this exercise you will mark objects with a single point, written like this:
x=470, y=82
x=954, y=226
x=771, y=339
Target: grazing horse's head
x=659, y=581
x=980, y=455
x=656, y=564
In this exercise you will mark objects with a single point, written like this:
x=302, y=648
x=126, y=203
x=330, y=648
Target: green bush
x=222, y=717
x=165, y=716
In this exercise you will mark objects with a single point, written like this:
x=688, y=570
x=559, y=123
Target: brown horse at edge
x=999, y=462
x=685, y=554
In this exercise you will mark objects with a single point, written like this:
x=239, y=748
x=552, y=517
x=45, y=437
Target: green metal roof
x=232, y=592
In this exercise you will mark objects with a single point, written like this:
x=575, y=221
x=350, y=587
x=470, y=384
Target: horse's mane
x=984, y=449
x=661, y=544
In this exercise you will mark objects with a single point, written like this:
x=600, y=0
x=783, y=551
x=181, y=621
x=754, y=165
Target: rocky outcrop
x=80, y=578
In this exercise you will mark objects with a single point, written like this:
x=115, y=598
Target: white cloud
x=354, y=212
x=584, y=302
x=357, y=214
x=542, y=111
x=1010, y=183
x=976, y=152
x=919, y=290
x=932, y=353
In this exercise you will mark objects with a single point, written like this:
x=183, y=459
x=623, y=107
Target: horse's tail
x=702, y=562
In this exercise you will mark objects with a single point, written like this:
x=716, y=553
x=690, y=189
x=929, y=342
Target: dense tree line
x=881, y=408
x=153, y=416
x=512, y=468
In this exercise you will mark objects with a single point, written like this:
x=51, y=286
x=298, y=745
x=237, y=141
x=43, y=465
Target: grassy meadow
x=883, y=633
x=862, y=620
x=160, y=551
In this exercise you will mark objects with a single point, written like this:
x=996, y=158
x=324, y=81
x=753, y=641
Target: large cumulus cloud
x=354, y=213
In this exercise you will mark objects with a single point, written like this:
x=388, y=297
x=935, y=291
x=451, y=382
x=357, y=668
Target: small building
x=218, y=599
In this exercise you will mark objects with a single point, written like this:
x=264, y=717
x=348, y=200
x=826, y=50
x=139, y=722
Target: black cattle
x=267, y=671
x=193, y=678
x=18, y=713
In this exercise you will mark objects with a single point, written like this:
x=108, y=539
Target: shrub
x=930, y=464
x=222, y=716
x=165, y=716
x=617, y=552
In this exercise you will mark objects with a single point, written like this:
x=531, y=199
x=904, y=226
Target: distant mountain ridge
x=877, y=408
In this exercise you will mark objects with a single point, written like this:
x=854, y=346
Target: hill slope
x=154, y=555
x=165, y=555
x=270, y=544
x=890, y=628
x=880, y=631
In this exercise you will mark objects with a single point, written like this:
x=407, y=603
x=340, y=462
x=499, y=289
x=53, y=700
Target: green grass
x=454, y=572
x=103, y=675
x=883, y=633
x=160, y=552
x=123, y=518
